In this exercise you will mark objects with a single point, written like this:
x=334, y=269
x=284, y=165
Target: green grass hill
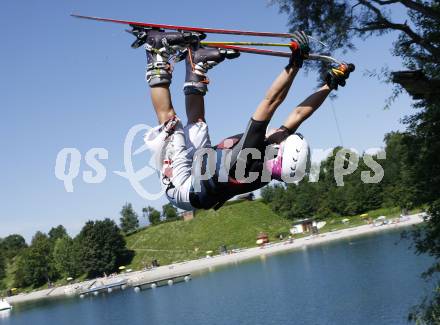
x=235, y=225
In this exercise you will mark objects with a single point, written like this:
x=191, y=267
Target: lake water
x=372, y=279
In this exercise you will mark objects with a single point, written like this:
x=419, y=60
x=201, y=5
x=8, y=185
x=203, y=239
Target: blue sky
x=74, y=83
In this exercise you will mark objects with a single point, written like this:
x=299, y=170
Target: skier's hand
x=300, y=49
x=337, y=76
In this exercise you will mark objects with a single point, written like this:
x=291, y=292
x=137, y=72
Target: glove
x=300, y=49
x=337, y=76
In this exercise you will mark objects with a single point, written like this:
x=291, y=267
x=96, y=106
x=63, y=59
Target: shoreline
x=204, y=264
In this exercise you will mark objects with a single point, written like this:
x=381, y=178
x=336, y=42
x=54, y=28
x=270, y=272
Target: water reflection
x=5, y=314
x=336, y=283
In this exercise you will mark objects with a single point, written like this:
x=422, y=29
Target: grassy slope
x=235, y=225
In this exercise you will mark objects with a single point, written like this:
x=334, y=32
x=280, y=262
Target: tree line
x=99, y=248
x=415, y=151
x=325, y=197
x=130, y=219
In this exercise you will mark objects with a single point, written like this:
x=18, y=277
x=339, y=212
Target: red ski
x=249, y=50
x=187, y=28
x=316, y=57
x=139, y=25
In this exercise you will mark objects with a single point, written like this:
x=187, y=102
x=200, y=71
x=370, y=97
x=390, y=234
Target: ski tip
x=90, y=17
x=81, y=16
x=109, y=20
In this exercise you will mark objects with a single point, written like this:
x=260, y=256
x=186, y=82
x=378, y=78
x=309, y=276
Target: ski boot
x=160, y=46
x=198, y=62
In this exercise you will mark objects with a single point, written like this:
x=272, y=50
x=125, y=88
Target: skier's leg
x=198, y=61
x=175, y=163
x=195, y=108
x=196, y=130
x=160, y=46
x=161, y=99
x=168, y=139
x=197, y=136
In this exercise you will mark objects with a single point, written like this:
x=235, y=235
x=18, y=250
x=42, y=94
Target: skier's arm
x=281, y=86
x=304, y=110
x=276, y=94
x=334, y=78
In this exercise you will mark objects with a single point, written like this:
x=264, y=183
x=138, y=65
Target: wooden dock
x=138, y=286
x=162, y=282
x=106, y=287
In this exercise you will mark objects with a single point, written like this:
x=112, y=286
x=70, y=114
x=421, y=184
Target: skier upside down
x=279, y=154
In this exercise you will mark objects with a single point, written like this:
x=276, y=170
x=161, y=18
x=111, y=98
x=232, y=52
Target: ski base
x=185, y=28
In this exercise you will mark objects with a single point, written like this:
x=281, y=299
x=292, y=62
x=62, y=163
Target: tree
x=57, y=233
x=152, y=214
x=423, y=145
x=169, y=212
x=325, y=199
x=21, y=278
x=12, y=245
x=399, y=181
x=129, y=219
x=103, y=248
x=268, y=193
x=428, y=242
x=67, y=257
x=338, y=23
x=35, y=265
x=2, y=267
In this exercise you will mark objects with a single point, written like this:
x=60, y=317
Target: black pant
x=254, y=137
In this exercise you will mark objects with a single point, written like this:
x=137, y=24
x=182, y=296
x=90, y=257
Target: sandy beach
x=209, y=263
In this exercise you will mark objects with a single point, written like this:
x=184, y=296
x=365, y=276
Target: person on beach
x=199, y=176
